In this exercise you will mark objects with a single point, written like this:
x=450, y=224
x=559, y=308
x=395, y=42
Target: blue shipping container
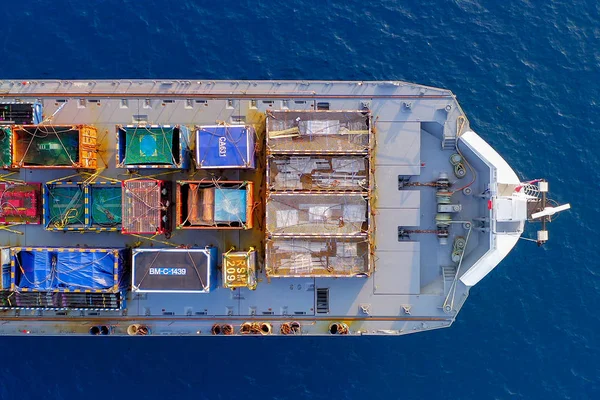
x=225, y=146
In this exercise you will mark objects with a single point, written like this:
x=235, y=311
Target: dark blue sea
x=527, y=73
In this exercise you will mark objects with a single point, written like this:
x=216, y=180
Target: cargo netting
x=65, y=206
x=293, y=257
x=317, y=214
x=323, y=132
x=106, y=205
x=5, y=147
x=216, y=204
x=19, y=203
x=151, y=145
x=327, y=173
x=142, y=207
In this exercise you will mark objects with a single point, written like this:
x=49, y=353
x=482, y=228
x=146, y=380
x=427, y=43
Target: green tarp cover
x=106, y=206
x=149, y=146
x=52, y=146
x=66, y=206
x=5, y=149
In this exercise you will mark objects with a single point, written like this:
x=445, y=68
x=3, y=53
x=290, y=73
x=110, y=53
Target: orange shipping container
x=54, y=146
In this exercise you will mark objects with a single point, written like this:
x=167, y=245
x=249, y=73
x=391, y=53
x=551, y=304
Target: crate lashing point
x=64, y=178
x=96, y=175
x=256, y=213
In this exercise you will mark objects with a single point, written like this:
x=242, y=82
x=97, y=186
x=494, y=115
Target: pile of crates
x=95, y=278
x=318, y=177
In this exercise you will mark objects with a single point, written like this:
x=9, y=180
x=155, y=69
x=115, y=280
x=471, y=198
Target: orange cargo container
x=54, y=146
x=208, y=204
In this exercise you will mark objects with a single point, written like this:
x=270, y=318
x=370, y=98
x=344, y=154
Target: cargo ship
x=269, y=208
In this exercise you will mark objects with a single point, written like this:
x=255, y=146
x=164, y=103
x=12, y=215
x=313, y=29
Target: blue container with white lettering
x=225, y=146
x=174, y=270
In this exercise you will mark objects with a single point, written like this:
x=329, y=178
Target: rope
x=152, y=239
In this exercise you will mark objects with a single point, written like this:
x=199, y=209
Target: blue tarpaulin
x=5, y=279
x=85, y=270
x=38, y=116
x=225, y=146
x=5, y=268
x=35, y=270
x=230, y=205
x=50, y=269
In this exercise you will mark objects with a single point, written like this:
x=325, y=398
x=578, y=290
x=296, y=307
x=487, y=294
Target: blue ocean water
x=526, y=73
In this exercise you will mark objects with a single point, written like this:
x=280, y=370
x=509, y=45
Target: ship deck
x=412, y=283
